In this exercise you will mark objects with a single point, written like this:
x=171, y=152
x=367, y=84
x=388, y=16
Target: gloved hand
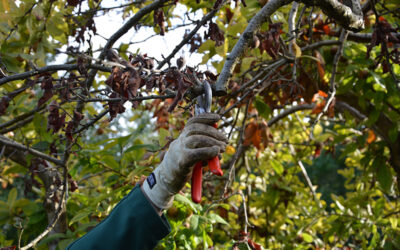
x=198, y=141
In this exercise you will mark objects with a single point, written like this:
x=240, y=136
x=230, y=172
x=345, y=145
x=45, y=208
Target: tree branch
x=243, y=42
x=350, y=18
x=10, y=143
x=58, y=213
x=130, y=24
x=139, y=98
x=332, y=89
x=50, y=68
x=205, y=19
x=289, y=111
x=305, y=175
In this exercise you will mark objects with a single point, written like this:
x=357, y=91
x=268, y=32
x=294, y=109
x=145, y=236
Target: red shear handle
x=213, y=164
x=197, y=177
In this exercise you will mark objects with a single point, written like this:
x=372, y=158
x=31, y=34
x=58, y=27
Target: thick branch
x=13, y=154
x=350, y=18
x=117, y=99
x=366, y=37
x=289, y=111
x=10, y=143
x=22, y=117
x=243, y=42
x=50, y=68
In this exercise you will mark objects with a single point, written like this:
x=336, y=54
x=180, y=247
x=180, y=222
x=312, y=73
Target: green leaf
x=277, y=166
x=110, y=161
x=393, y=222
x=41, y=146
x=15, y=169
x=307, y=238
x=216, y=218
x=79, y=216
x=186, y=201
x=393, y=133
x=21, y=203
x=206, y=46
x=262, y=108
x=317, y=129
x=149, y=147
x=373, y=116
x=123, y=140
x=12, y=197
x=384, y=176
x=194, y=222
x=378, y=85
x=244, y=246
x=162, y=136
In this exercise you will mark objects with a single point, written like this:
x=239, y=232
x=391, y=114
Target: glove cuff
x=156, y=190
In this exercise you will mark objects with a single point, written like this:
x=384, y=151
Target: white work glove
x=198, y=141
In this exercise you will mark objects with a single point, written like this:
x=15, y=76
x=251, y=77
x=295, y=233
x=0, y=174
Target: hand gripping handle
x=197, y=175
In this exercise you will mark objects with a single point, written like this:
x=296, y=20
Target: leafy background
x=298, y=179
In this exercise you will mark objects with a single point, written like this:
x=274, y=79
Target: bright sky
x=156, y=46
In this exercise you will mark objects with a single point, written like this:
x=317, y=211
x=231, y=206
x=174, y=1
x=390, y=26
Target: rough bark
x=243, y=42
x=349, y=15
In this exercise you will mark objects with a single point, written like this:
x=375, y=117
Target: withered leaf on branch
x=55, y=121
x=382, y=34
x=215, y=34
x=73, y=2
x=174, y=79
x=47, y=86
x=194, y=42
x=72, y=125
x=114, y=80
x=82, y=66
x=258, y=134
x=141, y=61
x=4, y=102
x=115, y=107
x=270, y=40
x=309, y=87
x=159, y=19
x=161, y=113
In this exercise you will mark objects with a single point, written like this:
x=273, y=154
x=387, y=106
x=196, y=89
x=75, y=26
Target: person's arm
x=135, y=223
x=132, y=224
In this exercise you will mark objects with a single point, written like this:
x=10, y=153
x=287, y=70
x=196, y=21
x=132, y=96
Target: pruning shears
x=204, y=106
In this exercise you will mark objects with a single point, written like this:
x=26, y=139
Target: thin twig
x=58, y=213
x=245, y=211
x=93, y=121
x=332, y=90
x=305, y=174
x=239, y=149
x=205, y=19
x=22, y=117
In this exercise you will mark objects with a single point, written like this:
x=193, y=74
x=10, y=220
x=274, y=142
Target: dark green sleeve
x=132, y=224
